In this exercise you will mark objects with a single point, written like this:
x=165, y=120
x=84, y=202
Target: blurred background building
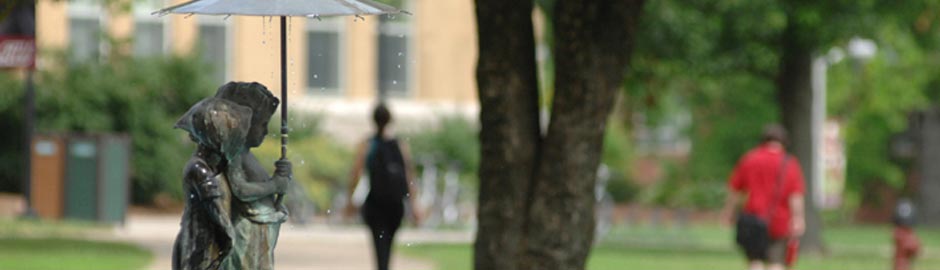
x=425, y=64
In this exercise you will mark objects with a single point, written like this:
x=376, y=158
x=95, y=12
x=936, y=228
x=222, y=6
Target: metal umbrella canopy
x=283, y=9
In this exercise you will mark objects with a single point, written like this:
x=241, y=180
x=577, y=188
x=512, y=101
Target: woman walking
x=389, y=168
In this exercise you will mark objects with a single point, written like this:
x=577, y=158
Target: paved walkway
x=316, y=246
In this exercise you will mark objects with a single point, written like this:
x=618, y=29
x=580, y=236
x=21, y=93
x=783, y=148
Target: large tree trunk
x=536, y=204
x=593, y=41
x=795, y=95
x=509, y=135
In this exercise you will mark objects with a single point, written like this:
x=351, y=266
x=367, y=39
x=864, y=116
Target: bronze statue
x=244, y=201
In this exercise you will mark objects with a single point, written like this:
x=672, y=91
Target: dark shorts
x=776, y=252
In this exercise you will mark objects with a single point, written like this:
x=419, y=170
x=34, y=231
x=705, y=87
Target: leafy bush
x=321, y=164
x=139, y=97
x=618, y=157
x=11, y=111
x=454, y=140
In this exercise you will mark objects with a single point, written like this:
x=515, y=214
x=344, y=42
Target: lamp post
x=859, y=49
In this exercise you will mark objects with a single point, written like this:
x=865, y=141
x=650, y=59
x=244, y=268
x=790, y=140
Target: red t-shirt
x=756, y=174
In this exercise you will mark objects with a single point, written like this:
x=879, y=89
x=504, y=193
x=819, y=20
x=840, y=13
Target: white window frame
x=406, y=29
x=90, y=10
x=229, y=41
x=142, y=10
x=328, y=24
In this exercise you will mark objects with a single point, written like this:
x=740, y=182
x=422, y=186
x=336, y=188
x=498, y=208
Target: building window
x=84, y=31
x=213, y=47
x=148, y=38
x=148, y=29
x=323, y=56
x=394, y=54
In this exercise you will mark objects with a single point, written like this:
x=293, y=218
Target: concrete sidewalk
x=317, y=246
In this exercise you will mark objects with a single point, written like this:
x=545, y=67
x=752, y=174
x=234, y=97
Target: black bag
x=387, y=178
x=753, y=233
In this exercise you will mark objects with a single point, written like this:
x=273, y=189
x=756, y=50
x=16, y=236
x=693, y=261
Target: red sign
x=17, y=52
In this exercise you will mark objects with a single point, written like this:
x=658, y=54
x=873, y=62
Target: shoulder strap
x=776, y=194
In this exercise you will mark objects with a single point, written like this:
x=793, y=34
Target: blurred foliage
x=872, y=99
x=11, y=152
x=717, y=62
x=679, y=190
x=321, y=164
x=124, y=95
x=617, y=156
x=713, y=62
x=452, y=141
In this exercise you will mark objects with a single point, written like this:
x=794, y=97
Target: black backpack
x=387, y=179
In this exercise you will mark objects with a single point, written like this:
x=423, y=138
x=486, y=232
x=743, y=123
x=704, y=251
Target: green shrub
x=321, y=164
x=140, y=97
x=622, y=190
x=11, y=151
x=453, y=141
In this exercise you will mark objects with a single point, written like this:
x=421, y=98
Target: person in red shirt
x=779, y=204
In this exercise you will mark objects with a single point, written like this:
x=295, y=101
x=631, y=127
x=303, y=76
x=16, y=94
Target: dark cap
x=774, y=132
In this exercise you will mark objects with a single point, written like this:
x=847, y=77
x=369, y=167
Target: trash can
x=114, y=174
x=48, y=175
x=81, y=180
x=97, y=178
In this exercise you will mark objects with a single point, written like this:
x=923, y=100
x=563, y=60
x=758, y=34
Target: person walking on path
x=771, y=184
x=389, y=168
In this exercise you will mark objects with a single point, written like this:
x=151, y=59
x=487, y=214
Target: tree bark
x=795, y=97
x=536, y=202
x=509, y=135
x=593, y=41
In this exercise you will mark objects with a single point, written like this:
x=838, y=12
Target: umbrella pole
x=284, y=88
x=280, y=197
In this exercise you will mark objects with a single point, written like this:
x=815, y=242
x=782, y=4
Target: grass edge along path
x=853, y=247
x=63, y=253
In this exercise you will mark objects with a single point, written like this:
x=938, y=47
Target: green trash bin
x=113, y=184
x=97, y=180
x=81, y=178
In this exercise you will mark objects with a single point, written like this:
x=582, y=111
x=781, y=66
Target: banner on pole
x=18, y=34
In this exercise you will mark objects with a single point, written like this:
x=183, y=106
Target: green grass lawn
x=34, y=245
x=57, y=253
x=855, y=248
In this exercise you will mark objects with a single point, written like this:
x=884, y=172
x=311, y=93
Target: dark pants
x=776, y=252
x=383, y=219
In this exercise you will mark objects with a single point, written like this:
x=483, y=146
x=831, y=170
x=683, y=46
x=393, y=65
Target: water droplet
x=315, y=76
x=399, y=66
x=394, y=82
x=191, y=196
x=381, y=236
x=328, y=211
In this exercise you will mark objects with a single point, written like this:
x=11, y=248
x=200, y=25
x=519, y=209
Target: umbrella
x=283, y=9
